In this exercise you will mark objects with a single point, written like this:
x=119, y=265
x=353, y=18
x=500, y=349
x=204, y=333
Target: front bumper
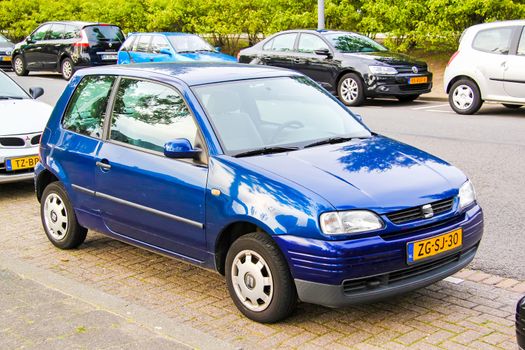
x=18, y=175
x=397, y=85
x=338, y=273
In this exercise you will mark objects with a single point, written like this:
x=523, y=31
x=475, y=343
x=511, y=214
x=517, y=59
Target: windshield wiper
x=330, y=140
x=266, y=150
x=186, y=51
x=11, y=98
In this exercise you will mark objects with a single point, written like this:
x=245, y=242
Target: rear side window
x=104, y=33
x=495, y=40
x=521, y=45
x=128, y=44
x=87, y=107
x=283, y=42
x=142, y=43
x=71, y=32
x=157, y=43
x=147, y=115
x=56, y=32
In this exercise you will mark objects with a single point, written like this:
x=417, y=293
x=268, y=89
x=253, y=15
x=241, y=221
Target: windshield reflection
x=350, y=43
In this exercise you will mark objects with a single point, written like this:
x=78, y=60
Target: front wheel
x=407, y=98
x=19, y=66
x=259, y=280
x=67, y=68
x=58, y=218
x=464, y=97
x=351, y=90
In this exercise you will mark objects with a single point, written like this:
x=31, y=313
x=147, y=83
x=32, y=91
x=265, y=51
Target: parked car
x=67, y=46
x=488, y=66
x=348, y=64
x=520, y=323
x=22, y=120
x=6, y=48
x=257, y=173
x=169, y=47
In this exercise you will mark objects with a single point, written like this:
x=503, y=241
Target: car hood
x=378, y=173
x=387, y=57
x=204, y=57
x=23, y=116
x=4, y=46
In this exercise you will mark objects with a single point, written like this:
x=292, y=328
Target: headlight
x=467, y=195
x=353, y=221
x=382, y=70
x=8, y=52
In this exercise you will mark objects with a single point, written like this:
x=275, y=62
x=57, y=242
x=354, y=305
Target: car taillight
x=452, y=57
x=83, y=42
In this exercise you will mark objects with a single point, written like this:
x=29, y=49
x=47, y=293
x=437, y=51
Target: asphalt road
x=489, y=147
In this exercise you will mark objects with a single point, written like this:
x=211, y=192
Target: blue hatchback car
x=169, y=47
x=257, y=173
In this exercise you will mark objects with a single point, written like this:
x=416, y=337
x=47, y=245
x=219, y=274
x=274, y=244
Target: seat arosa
x=257, y=173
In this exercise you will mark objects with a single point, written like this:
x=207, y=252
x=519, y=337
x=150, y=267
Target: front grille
x=408, y=69
x=414, y=87
x=35, y=140
x=12, y=142
x=416, y=213
x=371, y=283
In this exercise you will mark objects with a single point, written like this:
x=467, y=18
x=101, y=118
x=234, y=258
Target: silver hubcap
x=463, y=97
x=19, y=65
x=349, y=89
x=67, y=69
x=55, y=217
x=252, y=280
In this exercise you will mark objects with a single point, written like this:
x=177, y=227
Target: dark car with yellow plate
x=6, y=49
x=520, y=323
x=350, y=65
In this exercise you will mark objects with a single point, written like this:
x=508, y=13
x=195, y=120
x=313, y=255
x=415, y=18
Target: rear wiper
x=265, y=150
x=330, y=140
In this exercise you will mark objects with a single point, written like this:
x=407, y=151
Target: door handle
x=103, y=164
x=504, y=65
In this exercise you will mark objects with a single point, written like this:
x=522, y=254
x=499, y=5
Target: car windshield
x=9, y=89
x=3, y=39
x=189, y=43
x=280, y=114
x=104, y=33
x=346, y=43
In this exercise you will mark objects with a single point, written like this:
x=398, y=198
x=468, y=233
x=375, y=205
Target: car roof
x=316, y=31
x=517, y=22
x=81, y=23
x=192, y=73
x=163, y=33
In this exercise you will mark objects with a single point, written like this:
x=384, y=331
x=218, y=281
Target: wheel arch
x=459, y=77
x=43, y=179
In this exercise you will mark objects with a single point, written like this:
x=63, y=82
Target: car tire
x=509, y=106
x=259, y=280
x=67, y=68
x=407, y=98
x=59, y=219
x=19, y=66
x=464, y=97
x=350, y=90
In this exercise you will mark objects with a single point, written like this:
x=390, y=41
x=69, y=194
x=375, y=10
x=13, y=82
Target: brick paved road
x=475, y=313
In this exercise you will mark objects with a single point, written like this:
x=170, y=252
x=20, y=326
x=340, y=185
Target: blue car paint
x=127, y=57
x=283, y=194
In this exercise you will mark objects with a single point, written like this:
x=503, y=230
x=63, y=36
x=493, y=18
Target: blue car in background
x=169, y=47
x=257, y=173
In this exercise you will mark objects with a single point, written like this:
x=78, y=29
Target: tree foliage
x=428, y=24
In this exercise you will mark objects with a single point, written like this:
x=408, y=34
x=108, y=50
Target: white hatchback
x=488, y=66
x=22, y=120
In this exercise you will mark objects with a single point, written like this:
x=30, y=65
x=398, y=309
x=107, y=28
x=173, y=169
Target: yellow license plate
x=6, y=58
x=427, y=248
x=21, y=163
x=418, y=80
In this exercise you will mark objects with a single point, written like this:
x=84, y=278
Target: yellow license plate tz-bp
x=418, y=80
x=21, y=163
x=430, y=247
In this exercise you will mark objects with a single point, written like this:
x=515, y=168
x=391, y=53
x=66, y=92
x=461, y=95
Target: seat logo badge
x=415, y=70
x=427, y=210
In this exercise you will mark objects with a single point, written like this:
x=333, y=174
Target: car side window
x=142, y=43
x=71, y=32
x=282, y=43
x=494, y=40
x=521, y=45
x=308, y=43
x=128, y=44
x=41, y=32
x=87, y=107
x=148, y=114
x=56, y=32
x=157, y=43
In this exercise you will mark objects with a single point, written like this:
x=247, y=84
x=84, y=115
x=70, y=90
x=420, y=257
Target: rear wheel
x=259, y=280
x=464, y=97
x=19, y=66
x=67, y=68
x=351, y=90
x=511, y=106
x=407, y=98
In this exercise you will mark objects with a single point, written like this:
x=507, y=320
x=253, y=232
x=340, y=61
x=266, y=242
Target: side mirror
x=165, y=51
x=36, y=92
x=323, y=52
x=30, y=40
x=180, y=148
x=217, y=49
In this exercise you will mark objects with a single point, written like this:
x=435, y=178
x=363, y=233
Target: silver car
x=488, y=66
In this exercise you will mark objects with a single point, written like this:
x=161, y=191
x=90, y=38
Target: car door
x=279, y=51
x=492, y=46
x=81, y=137
x=144, y=195
x=33, y=48
x=514, y=69
x=320, y=68
x=53, y=46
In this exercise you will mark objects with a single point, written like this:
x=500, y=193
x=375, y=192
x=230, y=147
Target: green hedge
x=432, y=25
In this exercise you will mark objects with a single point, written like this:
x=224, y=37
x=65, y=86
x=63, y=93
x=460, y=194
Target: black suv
x=66, y=46
x=351, y=65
